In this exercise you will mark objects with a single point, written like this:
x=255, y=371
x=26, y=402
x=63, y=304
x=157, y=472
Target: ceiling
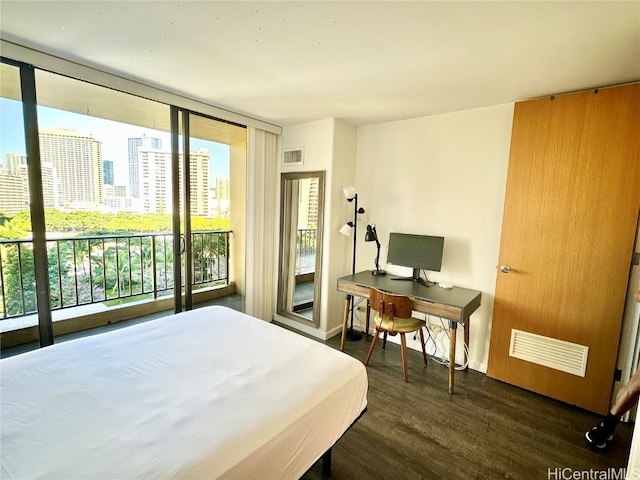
x=364, y=62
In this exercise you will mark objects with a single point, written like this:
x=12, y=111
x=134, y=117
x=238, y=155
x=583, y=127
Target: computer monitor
x=419, y=252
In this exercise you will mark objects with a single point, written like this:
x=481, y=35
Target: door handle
x=506, y=269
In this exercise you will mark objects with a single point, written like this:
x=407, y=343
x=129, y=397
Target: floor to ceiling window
x=109, y=176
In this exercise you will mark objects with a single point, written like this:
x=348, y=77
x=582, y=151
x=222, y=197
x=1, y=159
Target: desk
x=456, y=304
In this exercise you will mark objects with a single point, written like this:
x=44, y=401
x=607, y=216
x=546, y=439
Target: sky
x=113, y=136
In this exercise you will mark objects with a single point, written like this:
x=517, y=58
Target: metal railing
x=97, y=269
x=306, y=250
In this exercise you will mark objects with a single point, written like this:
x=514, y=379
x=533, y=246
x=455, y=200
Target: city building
x=221, y=198
x=117, y=200
x=77, y=159
x=14, y=184
x=136, y=144
x=199, y=182
x=107, y=167
x=154, y=180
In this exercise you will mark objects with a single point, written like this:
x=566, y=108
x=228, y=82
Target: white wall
x=440, y=175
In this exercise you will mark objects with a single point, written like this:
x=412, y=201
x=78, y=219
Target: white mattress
x=210, y=393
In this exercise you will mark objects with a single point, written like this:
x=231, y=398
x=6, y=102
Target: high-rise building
x=107, y=167
x=12, y=162
x=199, y=177
x=154, y=180
x=77, y=159
x=135, y=144
x=50, y=191
x=308, y=203
x=15, y=197
x=221, y=201
x=14, y=184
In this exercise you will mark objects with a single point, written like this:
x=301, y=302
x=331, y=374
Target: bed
x=209, y=393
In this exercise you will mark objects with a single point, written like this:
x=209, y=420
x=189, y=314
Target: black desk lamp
x=372, y=236
x=352, y=196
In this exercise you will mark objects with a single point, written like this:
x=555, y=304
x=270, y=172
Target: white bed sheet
x=209, y=393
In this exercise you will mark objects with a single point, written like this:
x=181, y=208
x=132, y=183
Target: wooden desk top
x=455, y=304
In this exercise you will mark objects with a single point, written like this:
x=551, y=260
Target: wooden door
x=571, y=209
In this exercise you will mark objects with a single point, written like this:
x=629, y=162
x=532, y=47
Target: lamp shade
x=371, y=235
x=349, y=192
x=346, y=229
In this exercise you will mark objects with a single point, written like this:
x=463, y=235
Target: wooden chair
x=393, y=316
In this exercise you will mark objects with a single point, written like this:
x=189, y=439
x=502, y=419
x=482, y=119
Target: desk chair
x=393, y=316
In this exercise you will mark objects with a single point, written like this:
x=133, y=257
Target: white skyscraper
x=199, y=175
x=77, y=159
x=154, y=180
x=135, y=145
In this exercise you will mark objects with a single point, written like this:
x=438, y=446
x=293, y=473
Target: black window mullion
x=186, y=189
x=175, y=175
x=36, y=198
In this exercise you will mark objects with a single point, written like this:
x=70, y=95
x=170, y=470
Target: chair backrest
x=399, y=306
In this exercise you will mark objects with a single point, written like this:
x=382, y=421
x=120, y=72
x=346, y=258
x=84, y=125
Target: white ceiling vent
x=295, y=156
x=549, y=352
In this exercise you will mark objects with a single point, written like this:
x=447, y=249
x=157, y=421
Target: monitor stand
x=415, y=278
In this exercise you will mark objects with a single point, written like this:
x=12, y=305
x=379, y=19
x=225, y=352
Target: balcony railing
x=306, y=251
x=111, y=268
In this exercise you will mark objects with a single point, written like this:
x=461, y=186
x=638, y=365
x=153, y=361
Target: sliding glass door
x=205, y=199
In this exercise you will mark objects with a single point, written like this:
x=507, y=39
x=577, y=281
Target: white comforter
x=210, y=393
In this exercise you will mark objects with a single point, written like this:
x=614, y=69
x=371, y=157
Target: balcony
x=89, y=275
x=305, y=269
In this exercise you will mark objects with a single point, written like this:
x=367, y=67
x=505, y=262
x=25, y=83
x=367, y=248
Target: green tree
x=87, y=270
x=19, y=278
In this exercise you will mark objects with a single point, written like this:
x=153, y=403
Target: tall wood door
x=570, y=216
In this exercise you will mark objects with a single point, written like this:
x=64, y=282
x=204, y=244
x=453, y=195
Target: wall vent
x=549, y=352
x=295, y=156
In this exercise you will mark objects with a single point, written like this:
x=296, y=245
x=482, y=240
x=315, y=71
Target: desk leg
x=366, y=332
x=466, y=343
x=345, y=320
x=453, y=328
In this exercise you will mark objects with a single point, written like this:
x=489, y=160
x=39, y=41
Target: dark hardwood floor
x=485, y=430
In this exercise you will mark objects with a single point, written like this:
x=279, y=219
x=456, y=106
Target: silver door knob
x=505, y=268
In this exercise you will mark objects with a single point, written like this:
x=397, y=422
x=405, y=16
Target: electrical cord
x=439, y=355
x=428, y=282
x=432, y=330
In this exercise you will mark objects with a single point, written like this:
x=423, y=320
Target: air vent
x=293, y=157
x=549, y=352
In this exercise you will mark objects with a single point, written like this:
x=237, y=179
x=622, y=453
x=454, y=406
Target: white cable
x=438, y=355
x=466, y=347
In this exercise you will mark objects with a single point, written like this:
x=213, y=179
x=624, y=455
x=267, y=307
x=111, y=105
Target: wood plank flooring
x=485, y=430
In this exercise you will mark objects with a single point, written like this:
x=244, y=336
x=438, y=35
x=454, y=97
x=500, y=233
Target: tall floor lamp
x=352, y=196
